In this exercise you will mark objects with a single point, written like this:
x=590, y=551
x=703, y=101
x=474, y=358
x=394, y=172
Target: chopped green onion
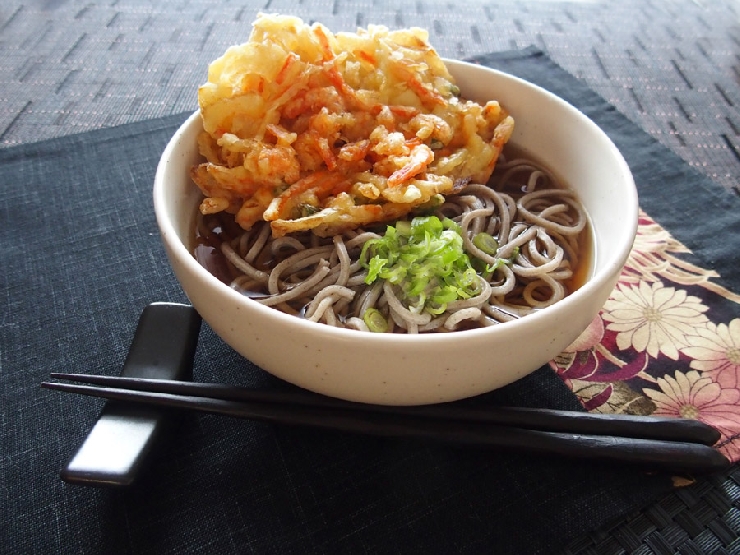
x=490, y=268
x=375, y=321
x=425, y=259
x=468, y=279
x=403, y=228
x=486, y=242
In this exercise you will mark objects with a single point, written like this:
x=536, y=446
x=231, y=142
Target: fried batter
x=311, y=130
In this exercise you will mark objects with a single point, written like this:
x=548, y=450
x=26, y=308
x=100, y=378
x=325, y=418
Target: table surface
x=671, y=66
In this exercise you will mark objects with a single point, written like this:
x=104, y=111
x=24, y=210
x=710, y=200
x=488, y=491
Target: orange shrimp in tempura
x=311, y=130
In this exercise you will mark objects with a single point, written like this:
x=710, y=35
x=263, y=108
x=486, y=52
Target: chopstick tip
x=65, y=375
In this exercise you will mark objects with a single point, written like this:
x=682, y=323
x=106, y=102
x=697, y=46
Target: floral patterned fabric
x=667, y=342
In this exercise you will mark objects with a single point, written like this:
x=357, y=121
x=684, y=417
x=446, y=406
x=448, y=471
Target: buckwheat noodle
x=538, y=226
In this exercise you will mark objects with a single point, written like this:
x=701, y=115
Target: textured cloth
x=668, y=340
x=669, y=65
x=82, y=257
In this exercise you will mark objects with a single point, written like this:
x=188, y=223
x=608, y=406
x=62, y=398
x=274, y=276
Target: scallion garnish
x=486, y=242
x=375, y=321
x=426, y=260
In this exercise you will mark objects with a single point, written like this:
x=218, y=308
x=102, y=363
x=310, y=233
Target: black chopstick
x=643, y=427
x=655, y=454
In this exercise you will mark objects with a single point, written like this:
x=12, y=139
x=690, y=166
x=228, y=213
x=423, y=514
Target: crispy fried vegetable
x=311, y=130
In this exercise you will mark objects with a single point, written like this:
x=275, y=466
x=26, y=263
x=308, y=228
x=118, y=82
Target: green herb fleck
x=305, y=209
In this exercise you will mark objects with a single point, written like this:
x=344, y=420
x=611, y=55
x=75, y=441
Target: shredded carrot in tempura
x=311, y=130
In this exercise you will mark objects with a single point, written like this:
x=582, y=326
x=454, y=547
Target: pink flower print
x=716, y=350
x=692, y=395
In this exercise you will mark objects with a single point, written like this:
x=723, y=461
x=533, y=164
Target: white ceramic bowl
x=427, y=368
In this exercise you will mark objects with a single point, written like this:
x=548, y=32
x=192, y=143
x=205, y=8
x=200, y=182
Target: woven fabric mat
x=669, y=65
x=74, y=287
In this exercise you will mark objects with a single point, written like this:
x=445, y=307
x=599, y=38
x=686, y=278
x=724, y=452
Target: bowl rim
x=592, y=285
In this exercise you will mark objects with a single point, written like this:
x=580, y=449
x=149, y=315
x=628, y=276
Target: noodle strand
x=537, y=225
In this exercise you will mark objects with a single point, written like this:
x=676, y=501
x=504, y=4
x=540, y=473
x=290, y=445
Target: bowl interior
x=547, y=128
x=574, y=149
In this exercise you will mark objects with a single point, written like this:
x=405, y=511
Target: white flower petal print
x=663, y=340
x=667, y=297
x=653, y=318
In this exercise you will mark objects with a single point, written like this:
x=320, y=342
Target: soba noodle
x=537, y=223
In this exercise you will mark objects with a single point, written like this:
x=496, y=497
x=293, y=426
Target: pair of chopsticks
x=659, y=444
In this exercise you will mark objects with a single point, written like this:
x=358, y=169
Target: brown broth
x=207, y=252
x=586, y=252
x=582, y=271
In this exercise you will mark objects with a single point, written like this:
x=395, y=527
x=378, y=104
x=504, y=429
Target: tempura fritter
x=311, y=130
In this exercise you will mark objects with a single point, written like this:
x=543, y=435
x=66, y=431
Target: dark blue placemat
x=82, y=257
x=693, y=208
